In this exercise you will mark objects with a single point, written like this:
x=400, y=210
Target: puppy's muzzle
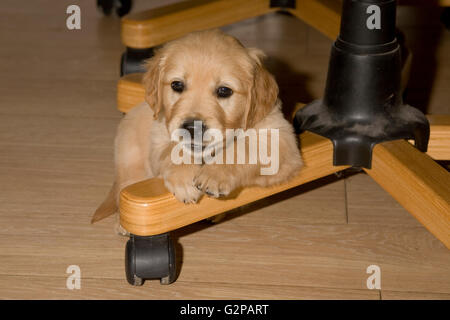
x=195, y=127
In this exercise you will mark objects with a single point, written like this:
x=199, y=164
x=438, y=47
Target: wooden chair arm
x=147, y=208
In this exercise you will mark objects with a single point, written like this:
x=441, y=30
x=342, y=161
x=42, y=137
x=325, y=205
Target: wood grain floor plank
x=396, y=295
x=317, y=256
x=320, y=202
x=55, y=288
x=74, y=98
x=57, y=131
x=59, y=159
x=368, y=203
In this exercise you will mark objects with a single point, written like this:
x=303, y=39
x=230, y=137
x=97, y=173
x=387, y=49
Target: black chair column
x=362, y=104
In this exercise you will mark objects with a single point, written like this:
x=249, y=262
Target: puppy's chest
x=160, y=143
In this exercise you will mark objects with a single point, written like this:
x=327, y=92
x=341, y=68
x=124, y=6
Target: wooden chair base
x=414, y=179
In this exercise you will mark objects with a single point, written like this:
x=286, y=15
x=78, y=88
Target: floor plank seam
x=56, y=116
x=412, y=292
x=187, y=282
x=346, y=200
x=151, y=283
x=86, y=146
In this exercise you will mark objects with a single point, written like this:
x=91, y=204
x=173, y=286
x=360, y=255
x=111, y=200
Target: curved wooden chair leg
x=153, y=27
x=417, y=182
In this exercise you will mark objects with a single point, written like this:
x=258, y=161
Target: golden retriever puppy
x=205, y=80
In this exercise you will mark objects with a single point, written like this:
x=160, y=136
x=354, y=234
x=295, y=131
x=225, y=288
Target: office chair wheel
x=151, y=257
x=445, y=17
x=122, y=6
x=132, y=60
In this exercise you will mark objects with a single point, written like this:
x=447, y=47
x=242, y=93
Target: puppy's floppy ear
x=153, y=83
x=263, y=92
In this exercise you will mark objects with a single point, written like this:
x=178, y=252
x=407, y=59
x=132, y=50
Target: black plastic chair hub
x=362, y=105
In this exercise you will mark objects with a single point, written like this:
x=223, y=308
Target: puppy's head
x=210, y=77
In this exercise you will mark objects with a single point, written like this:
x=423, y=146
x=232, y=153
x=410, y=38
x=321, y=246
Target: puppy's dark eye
x=177, y=86
x=224, y=92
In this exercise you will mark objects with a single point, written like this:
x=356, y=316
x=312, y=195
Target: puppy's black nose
x=194, y=126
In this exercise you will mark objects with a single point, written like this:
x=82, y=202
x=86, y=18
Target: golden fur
x=203, y=60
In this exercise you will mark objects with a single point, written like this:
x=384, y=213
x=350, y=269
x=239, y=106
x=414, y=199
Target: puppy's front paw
x=178, y=180
x=215, y=180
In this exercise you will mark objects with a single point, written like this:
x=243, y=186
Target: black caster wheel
x=122, y=6
x=445, y=18
x=151, y=257
x=132, y=60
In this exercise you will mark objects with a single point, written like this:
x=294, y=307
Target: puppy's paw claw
x=214, y=183
x=184, y=193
